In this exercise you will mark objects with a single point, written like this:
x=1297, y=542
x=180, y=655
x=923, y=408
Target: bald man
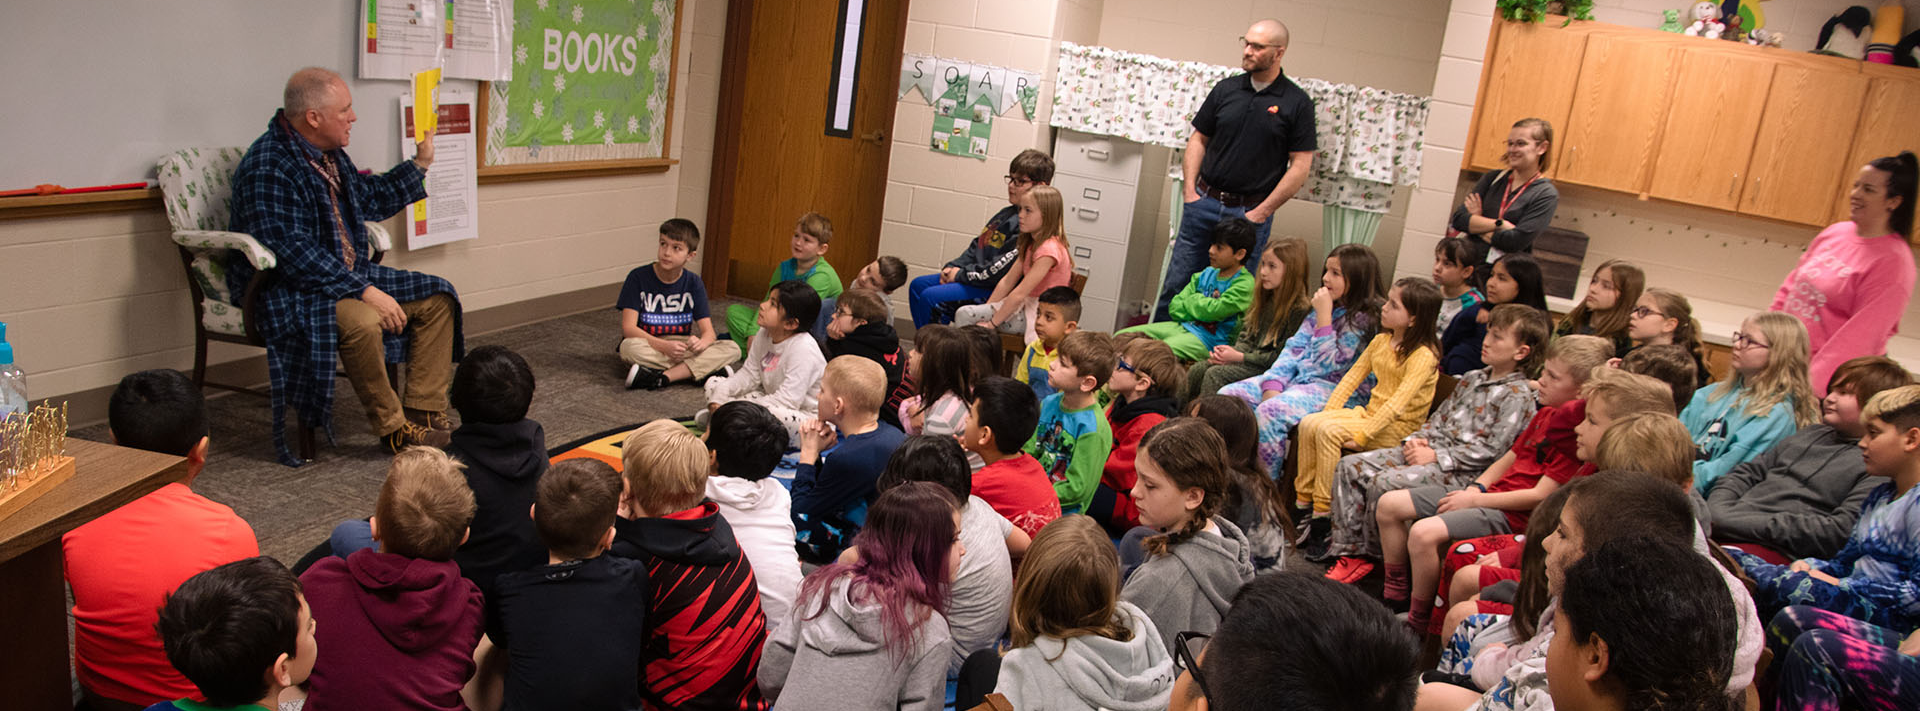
x=298, y=193
x=1251, y=150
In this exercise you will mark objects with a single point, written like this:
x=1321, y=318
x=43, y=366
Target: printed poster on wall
x=961, y=128
x=589, y=82
x=451, y=211
x=465, y=38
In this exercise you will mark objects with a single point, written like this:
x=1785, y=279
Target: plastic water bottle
x=13, y=383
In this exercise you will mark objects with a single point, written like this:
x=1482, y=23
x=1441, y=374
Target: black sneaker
x=648, y=378
x=1319, y=537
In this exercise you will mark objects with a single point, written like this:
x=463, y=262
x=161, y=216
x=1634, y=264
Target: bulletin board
x=592, y=89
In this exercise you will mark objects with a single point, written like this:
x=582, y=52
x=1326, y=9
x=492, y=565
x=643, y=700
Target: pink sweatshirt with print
x=1850, y=291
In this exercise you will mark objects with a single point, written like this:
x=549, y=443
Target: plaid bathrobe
x=281, y=199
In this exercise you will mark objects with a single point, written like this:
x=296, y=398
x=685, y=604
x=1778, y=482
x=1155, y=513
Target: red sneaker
x=1350, y=570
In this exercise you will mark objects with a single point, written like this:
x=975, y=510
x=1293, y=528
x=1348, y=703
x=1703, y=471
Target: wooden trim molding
x=15, y=208
x=578, y=169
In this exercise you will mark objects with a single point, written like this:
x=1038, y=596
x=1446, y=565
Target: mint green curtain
x=1345, y=225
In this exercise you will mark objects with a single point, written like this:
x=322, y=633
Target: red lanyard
x=1507, y=198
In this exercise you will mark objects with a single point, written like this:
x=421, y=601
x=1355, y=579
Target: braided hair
x=1192, y=456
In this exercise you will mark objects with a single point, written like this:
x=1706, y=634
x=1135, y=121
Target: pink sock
x=1419, y=615
x=1397, y=582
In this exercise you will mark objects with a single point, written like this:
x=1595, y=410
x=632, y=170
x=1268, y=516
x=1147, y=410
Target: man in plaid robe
x=298, y=193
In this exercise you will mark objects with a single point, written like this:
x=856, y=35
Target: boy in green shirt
x=1073, y=438
x=810, y=237
x=1207, y=312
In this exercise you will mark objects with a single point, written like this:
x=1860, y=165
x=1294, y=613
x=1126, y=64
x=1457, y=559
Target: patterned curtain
x=1369, y=139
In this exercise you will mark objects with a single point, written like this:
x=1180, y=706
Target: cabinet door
x=1710, y=127
x=1802, y=146
x=1618, y=107
x=1530, y=75
x=1886, y=128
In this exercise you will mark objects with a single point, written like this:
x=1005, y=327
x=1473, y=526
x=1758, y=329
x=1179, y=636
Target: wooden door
x=1710, y=127
x=783, y=148
x=1619, y=105
x=1529, y=73
x=1801, y=150
x=1886, y=128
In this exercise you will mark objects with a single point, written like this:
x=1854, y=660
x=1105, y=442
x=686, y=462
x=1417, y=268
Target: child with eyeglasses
x=1766, y=399
x=1145, y=379
x=1665, y=317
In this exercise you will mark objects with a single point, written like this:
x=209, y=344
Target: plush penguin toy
x=1907, y=53
x=1845, y=34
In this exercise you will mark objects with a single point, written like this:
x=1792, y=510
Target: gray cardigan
x=1532, y=210
x=1190, y=588
x=840, y=659
x=1800, y=497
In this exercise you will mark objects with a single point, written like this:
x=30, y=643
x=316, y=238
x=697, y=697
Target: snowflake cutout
x=539, y=108
x=607, y=138
x=520, y=54
x=640, y=32
x=599, y=118
x=559, y=82
x=633, y=124
x=566, y=133
x=578, y=14
x=542, y=4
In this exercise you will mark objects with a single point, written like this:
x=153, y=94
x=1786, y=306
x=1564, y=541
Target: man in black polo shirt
x=1251, y=150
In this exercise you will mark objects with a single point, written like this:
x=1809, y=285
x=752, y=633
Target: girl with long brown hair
x=1199, y=559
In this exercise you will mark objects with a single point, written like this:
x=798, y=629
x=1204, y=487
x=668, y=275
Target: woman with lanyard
x=1508, y=208
x=1852, y=285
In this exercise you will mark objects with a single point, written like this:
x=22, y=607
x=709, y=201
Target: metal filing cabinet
x=1098, y=179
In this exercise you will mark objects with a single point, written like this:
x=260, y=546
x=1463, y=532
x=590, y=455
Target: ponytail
x=1903, y=175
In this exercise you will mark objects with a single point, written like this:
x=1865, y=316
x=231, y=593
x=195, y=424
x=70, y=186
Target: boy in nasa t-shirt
x=667, y=334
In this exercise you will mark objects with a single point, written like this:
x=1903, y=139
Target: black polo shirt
x=1251, y=133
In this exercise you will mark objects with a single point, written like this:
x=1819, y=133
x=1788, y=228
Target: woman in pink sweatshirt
x=1853, y=283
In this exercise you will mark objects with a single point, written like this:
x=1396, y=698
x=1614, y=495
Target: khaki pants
x=429, y=362
x=636, y=351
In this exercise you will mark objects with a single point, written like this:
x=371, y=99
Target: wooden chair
x=1014, y=345
x=197, y=188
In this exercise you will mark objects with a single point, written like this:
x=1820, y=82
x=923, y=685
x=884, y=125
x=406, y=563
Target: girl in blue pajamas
x=1345, y=311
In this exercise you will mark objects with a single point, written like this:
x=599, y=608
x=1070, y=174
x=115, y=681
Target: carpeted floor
x=578, y=393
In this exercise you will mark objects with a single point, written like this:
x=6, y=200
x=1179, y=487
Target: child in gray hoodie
x=1075, y=644
x=869, y=634
x=1200, y=559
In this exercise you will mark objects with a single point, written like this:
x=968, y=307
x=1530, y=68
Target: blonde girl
x=1663, y=316
x=1199, y=559
x=1766, y=398
x=1043, y=264
x=1279, y=305
x=1608, y=308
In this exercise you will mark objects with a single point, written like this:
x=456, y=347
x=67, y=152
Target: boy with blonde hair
x=1072, y=441
x=665, y=327
x=831, y=490
x=811, y=235
x=401, y=624
x=706, y=627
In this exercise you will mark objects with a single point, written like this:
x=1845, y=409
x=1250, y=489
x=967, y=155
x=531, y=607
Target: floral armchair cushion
x=197, y=188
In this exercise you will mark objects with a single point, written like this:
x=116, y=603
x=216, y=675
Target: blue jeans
x=351, y=536
x=931, y=301
x=1190, y=248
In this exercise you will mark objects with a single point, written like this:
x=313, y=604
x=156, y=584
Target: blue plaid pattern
x=280, y=199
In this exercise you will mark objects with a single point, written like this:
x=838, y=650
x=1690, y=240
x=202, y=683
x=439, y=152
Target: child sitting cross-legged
x=841, y=456
x=665, y=326
x=871, y=633
x=241, y=632
x=783, y=365
x=881, y=276
x=859, y=325
x=983, y=583
x=573, y=628
x=1146, y=376
x=1279, y=305
x=1766, y=399
x=808, y=265
x=1073, y=440
x=505, y=453
x=705, y=626
x=1000, y=421
x=1198, y=560
x=1465, y=435
x=1057, y=315
x=745, y=444
x=1206, y=314
x=1403, y=358
x=1872, y=577
x=401, y=624
x=1253, y=502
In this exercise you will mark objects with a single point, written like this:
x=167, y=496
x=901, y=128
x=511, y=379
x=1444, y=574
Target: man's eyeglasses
x=1018, y=181
x=1643, y=312
x=1186, y=657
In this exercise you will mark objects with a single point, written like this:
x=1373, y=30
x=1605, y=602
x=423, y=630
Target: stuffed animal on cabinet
x=1673, y=22
x=1706, y=21
x=1907, y=53
x=1845, y=34
x=1886, y=32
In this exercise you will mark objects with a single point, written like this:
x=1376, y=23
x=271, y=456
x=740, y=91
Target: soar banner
x=969, y=86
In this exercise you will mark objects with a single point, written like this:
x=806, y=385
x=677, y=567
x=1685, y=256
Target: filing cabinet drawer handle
x=1087, y=213
x=1090, y=193
x=1079, y=251
x=1099, y=153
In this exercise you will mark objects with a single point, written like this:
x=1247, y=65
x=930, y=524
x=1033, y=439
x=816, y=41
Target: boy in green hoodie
x=1207, y=312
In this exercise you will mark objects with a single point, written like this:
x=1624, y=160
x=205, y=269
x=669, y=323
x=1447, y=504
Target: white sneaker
x=633, y=371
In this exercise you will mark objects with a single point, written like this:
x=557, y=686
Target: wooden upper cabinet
x=1619, y=107
x=1710, y=126
x=1530, y=73
x=1886, y=128
x=1803, y=145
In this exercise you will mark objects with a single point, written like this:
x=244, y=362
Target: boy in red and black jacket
x=704, y=624
x=1145, y=381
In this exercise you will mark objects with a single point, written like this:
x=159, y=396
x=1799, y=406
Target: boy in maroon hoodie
x=1144, y=382
x=400, y=624
x=705, y=627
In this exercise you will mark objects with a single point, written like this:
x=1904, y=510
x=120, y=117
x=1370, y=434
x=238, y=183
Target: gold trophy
x=33, y=455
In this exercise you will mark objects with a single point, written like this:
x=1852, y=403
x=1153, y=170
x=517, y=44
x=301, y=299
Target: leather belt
x=1226, y=198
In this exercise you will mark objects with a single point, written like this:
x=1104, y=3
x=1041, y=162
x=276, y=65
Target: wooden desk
x=33, y=598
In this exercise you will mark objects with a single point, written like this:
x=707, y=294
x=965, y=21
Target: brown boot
x=429, y=419
x=414, y=435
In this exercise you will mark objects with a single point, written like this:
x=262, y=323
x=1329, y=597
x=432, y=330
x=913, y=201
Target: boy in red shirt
x=1146, y=377
x=123, y=565
x=1000, y=420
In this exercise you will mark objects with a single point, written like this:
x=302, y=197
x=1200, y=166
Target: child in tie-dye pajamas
x=1829, y=661
x=1345, y=310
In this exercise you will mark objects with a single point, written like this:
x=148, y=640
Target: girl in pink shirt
x=1043, y=264
x=1853, y=283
